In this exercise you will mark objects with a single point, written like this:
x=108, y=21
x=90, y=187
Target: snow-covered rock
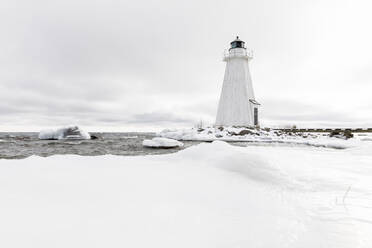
x=159, y=142
x=70, y=132
x=341, y=134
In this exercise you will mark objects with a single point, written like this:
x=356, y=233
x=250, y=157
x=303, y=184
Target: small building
x=237, y=105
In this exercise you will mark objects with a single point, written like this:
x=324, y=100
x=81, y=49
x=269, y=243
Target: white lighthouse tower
x=237, y=106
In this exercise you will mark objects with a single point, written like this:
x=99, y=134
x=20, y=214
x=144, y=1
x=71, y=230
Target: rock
x=246, y=132
x=93, y=137
x=231, y=133
x=242, y=133
x=347, y=134
x=334, y=133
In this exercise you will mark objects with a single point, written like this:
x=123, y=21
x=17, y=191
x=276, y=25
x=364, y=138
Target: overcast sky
x=144, y=65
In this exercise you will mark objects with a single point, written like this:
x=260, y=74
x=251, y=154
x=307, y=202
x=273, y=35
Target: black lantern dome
x=237, y=43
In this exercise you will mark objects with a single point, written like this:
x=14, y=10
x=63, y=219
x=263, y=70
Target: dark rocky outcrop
x=246, y=132
x=243, y=133
x=347, y=134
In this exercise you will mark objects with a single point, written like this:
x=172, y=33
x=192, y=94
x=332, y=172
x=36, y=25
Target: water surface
x=21, y=145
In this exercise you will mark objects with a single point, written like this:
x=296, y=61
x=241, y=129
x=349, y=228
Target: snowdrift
x=209, y=195
x=70, y=132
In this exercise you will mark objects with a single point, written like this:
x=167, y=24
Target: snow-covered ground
x=208, y=195
x=234, y=134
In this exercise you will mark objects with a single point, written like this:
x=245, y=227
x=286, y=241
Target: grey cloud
x=159, y=118
x=296, y=112
x=153, y=62
x=284, y=109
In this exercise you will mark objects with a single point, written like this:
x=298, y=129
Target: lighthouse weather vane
x=237, y=105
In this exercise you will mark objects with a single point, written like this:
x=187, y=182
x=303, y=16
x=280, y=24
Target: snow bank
x=209, y=195
x=70, y=132
x=233, y=134
x=158, y=142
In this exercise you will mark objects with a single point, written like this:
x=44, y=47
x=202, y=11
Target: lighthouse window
x=236, y=44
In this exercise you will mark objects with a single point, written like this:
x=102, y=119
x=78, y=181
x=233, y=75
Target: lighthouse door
x=255, y=116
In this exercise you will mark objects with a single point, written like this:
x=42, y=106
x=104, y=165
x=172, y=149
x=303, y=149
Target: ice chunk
x=70, y=132
x=159, y=142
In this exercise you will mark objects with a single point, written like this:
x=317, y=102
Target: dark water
x=22, y=145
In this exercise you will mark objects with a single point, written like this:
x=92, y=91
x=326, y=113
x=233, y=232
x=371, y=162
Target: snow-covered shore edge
x=255, y=135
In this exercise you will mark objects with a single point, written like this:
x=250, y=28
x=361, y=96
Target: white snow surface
x=209, y=195
x=69, y=132
x=259, y=136
x=159, y=142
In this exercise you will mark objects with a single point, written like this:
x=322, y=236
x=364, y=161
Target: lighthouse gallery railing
x=243, y=53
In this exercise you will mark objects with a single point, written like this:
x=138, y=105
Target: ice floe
x=159, y=142
x=69, y=132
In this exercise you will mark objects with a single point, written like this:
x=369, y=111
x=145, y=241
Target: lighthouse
x=237, y=105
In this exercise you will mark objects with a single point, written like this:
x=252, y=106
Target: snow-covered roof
x=237, y=39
